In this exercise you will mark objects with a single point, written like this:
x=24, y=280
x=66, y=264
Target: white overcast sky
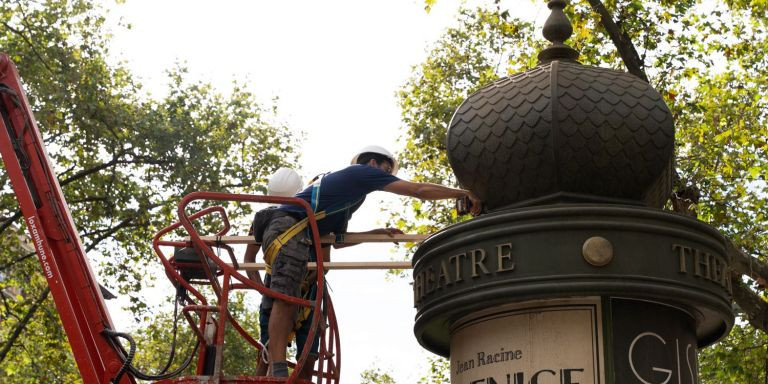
x=335, y=66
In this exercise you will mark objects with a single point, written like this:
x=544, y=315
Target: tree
x=739, y=358
x=123, y=160
x=711, y=71
x=439, y=371
x=375, y=376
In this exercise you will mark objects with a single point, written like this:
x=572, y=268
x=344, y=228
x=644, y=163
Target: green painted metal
x=536, y=253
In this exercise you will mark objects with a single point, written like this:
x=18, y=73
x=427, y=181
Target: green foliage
x=123, y=160
x=740, y=358
x=43, y=342
x=375, y=376
x=439, y=371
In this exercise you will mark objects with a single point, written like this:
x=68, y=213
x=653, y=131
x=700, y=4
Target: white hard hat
x=284, y=182
x=380, y=151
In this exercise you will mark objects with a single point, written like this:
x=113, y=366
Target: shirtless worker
x=340, y=194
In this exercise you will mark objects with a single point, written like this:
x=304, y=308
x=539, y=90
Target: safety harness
x=274, y=247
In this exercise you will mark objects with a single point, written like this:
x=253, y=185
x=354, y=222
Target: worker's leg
x=302, y=335
x=280, y=327
x=288, y=270
x=265, y=310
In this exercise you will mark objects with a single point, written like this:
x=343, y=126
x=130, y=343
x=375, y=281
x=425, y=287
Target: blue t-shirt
x=339, y=188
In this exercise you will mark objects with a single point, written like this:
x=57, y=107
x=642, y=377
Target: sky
x=335, y=67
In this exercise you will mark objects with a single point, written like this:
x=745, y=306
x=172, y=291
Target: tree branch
x=123, y=224
x=115, y=161
x=90, y=200
x=90, y=171
x=621, y=40
x=31, y=45
x=744, y=264
x=9, y=221
x=105, y=233
x=16, y=260
x=754, y=307
x=23, y=324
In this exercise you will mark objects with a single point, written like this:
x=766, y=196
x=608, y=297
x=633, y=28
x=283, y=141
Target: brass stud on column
x=597, y=251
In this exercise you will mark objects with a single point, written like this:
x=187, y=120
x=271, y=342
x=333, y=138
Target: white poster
x=543, y=342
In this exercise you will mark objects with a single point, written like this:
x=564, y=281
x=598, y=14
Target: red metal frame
x=329, y=340
x=73, y=285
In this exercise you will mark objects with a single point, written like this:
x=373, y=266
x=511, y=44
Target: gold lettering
x=478, y=262
x=430, y=280
x=418, y=287
x=442, y=277
x=701, y=264
x=456, y=259
x=705, y=265
x=504, y=256
x=682, y=251
x=717, y=268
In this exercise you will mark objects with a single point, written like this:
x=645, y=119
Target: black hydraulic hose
x=129, y=358
x=127, y=361
x=163, y=374
x=143, y=376
x=172, y=355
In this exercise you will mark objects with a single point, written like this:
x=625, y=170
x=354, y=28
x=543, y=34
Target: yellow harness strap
x=271, y=254
x=275, y=245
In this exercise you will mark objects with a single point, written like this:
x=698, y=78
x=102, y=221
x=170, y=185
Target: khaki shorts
x=289, y=268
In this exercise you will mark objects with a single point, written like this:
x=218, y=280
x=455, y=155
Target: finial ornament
x=557, y=29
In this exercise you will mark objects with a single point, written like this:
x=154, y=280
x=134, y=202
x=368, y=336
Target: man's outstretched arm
x=429, y=191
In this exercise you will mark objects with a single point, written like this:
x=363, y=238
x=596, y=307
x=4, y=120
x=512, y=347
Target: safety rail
x=221, y=282
x=337, y=265
x=346, y=238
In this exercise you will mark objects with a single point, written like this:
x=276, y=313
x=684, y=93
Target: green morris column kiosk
x=575, y=274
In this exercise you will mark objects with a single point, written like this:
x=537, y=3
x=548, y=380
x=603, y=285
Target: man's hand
x=477, y=204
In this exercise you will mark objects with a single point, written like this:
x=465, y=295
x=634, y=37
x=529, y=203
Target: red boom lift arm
x=73, y=285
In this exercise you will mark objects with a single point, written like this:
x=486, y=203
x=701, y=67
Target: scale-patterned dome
x=563, y=131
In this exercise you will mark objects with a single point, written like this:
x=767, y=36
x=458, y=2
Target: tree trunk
x=621, y=40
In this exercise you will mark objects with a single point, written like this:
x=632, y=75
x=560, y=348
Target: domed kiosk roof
x=563, y=131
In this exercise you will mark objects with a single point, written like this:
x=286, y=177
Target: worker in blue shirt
x=337, y=195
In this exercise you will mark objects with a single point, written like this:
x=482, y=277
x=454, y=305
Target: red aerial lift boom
x=70, y=278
